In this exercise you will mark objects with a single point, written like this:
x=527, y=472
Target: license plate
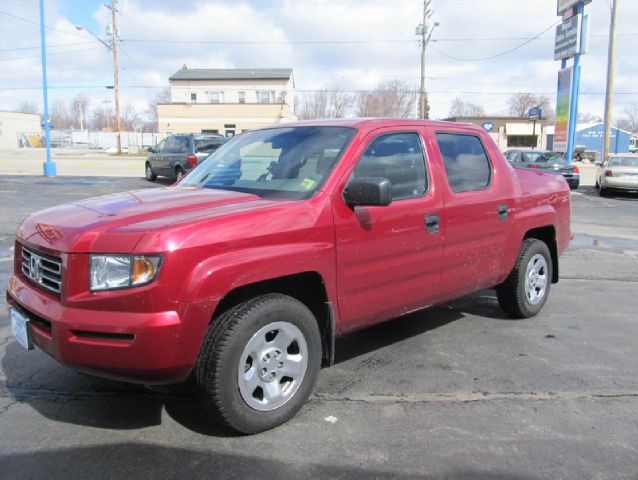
x=20, y=328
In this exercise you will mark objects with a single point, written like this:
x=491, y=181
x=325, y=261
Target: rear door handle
x=502, y=211
x=432, y=223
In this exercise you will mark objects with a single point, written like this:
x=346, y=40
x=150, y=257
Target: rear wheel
x=524, y=293
x=259, y=362
x=179, y=173
x=150, y=175
x=574, y=185
x=603, y=192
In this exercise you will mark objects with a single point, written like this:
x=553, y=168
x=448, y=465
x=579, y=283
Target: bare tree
x=585, y=117
x=163, y=96
x=129, y=118
x=59, y=115
x=28, y=106
x=392, y=98
x=629, y=120
x=520, y=103
x=79, y=105
x=102, y=119
x=328, y=102
x=459, y=108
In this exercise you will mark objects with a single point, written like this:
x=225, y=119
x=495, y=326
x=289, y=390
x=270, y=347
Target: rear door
x=478, y=198
x=389, y=258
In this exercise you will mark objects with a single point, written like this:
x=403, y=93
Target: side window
x=181, y=145
x=160, y=146
x=399, y=158
x=466, y=164
x=170, y=145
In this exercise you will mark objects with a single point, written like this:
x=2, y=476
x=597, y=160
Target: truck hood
x=108, y=223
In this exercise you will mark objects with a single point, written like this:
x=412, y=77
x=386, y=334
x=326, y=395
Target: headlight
x=112, y=272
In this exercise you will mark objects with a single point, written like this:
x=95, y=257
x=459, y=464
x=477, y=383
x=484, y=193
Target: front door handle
x=432, y=223
x=502, y=211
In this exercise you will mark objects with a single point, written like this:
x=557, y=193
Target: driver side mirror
x=150, y=150
x=368, y=191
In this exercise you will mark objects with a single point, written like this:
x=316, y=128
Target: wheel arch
x=307, y=287
x=547, y=234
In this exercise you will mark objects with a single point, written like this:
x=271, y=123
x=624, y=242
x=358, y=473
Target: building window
x=242, y=97
x=193, y=97
x=526, y=141
x=216, y=97
x=230, y=129
x=265, y=96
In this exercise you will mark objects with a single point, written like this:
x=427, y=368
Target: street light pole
x=49, y=165
x=610, y=80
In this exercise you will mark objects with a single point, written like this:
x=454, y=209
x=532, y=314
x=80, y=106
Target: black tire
x=603, y=192
x=574, y=186
x=151, y=176
x=218, y=363
x=512, y=292
x=179, y=173
x=597, y=184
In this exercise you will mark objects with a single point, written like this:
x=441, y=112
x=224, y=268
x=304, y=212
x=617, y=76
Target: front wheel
x=524, y=293
x=259, y=362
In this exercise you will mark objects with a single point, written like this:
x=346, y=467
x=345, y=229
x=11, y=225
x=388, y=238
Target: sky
x=353, y=44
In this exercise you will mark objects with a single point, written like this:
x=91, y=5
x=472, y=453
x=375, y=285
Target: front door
x=389, y=258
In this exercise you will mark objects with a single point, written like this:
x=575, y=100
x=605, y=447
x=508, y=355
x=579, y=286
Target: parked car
x=545, y=161
x=244, y=284
x=177, y=154
x=619, y=172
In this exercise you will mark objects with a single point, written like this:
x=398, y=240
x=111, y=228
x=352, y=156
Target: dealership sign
x=564, y=5
x=567, y=38
x=563, y=102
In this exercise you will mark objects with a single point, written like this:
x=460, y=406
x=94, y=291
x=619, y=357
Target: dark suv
x=177, y=154
x=545, y=161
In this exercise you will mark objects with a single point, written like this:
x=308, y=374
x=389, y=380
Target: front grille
x=44, y=271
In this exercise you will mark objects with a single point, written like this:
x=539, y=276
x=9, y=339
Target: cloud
x=471, y=29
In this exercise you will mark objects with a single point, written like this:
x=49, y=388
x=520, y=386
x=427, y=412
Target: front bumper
x=151, y=348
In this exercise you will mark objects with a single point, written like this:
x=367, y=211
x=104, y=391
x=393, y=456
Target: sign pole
x=49, y=166
x=573, y=107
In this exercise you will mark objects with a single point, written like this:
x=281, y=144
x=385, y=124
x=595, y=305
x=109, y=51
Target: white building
x=19, y=129
x=227, y=101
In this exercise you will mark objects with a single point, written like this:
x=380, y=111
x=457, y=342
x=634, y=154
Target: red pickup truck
x=243, y=273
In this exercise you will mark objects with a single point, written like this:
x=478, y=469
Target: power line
x=2, y=12
x=442, y=92
x=75, y=44
x=492, y=57
x=48, y=55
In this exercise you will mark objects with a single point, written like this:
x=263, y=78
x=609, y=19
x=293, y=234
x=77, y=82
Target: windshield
x=543, y=157
x=204, y=144
x=286, y=162
x=623, y=162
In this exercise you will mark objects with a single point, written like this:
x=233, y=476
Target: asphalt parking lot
x=456, y=391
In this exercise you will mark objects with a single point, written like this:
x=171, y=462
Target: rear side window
x=399, y=158
x=466, y=164
x=206, y=144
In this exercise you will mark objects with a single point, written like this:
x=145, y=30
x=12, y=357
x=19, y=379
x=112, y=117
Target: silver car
x=619, y=172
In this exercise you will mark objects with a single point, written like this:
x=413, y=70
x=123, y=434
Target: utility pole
x=425, y=33
x=116, y=86
x=610, y=79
